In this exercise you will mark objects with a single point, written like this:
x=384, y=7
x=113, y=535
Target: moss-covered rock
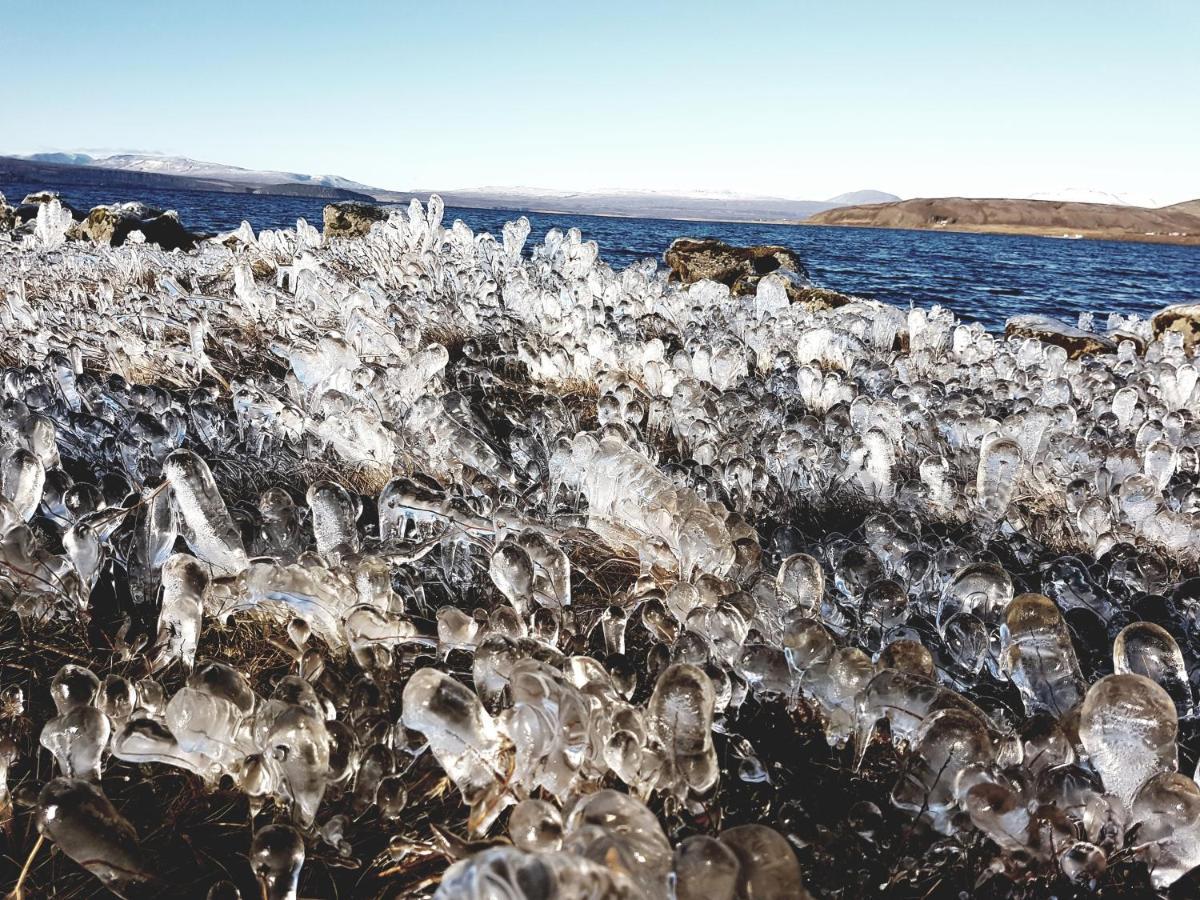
x=1075, y=341
x=815, y=298
x=694, y=260
x=1183, y=318
x=113, y=225
x=348, y=220
x=741, y=269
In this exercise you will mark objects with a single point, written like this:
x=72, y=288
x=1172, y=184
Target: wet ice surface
x=433, y=563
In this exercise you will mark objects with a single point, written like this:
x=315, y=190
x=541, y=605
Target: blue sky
x=790, y=99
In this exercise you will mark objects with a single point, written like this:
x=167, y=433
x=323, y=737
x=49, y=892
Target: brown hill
x=1041, y=217
x=1187, y=206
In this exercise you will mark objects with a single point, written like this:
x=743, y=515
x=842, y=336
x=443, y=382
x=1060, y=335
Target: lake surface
x=986, y=278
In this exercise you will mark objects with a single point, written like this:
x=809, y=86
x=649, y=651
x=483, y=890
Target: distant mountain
x=706, y=207
x=52, y=175
x=132, y=169
x=192, y=168
x=125, y=169
x=857, y=198
x=1037, y=217
x=1187, y=206
x=66, y=159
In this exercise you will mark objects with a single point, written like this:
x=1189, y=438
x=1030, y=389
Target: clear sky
x=792, y=99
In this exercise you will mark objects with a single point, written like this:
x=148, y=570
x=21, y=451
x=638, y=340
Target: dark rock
x=29, y=207
x=1074, y=340
x=39, y=197
x=113, y=225
x=8, y=215
x=1183, y=318
x=348, y=220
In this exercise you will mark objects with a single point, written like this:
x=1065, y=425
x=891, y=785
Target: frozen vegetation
x=429, y=564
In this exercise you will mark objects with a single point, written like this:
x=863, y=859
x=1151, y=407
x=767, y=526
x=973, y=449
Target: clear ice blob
x=511, y=570
x=1166, y=810
x=767, y=865
x=276, y=857
x=299, y=746
x=334, y=513
x=1145, y=648
x=1083, y=863
x=679, y=715
x=73, y=687
x=982, y=589
x=999, y=465
x=946, y=742
x=1128, y=727
x=210, y=529
x=184, y=583
x=78, y=739
x=800, y=583
x=706, y=869
x=22, y=477
x=535, y=826
x=1037, y=655
x=85, y=826
x=462, y=736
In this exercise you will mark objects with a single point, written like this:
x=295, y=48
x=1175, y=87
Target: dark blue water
x=981, y=277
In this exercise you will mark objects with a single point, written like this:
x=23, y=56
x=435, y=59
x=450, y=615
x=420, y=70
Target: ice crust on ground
x=430, y=456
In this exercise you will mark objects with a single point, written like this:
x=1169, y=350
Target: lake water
x=981, y=277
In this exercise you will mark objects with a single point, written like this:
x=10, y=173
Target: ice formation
x=433, y=521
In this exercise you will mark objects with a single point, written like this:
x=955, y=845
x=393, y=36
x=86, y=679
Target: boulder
x=741, y=268
x=29, y=207
x=692, y=259
x=114, y=224
x=350, y=219
x=1049, y=330
x=1183, y=318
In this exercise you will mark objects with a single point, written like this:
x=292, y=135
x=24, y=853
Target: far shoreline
x=1092, y=235
x=1002, y=231
x=1120, y=237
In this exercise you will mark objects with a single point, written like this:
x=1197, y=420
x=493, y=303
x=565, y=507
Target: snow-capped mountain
x=62, y=159
x=193, y=168
x=717, y=206
x=861, y=198
x=681, y=194
x=698, y=205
